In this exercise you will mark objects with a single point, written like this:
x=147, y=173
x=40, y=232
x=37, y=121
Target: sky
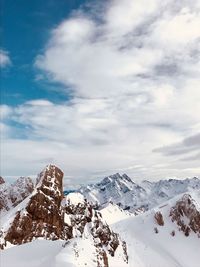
x=99, y=87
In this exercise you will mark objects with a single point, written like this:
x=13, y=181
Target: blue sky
x=100, y=87
x=25, y=29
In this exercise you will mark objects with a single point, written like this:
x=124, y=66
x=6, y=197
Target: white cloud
x=179, y=30
x=134, y=78
x=123, y=17
x=4, y=59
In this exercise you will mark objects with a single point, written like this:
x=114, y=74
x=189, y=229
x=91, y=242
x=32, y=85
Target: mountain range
x=113, y=223
x=136, y=197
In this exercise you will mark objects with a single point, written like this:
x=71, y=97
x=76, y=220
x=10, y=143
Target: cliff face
x=41, y=216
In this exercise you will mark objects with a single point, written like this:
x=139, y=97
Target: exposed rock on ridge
x=159, y=218
x=186, y=215
x=1, y=180
x=84, y=220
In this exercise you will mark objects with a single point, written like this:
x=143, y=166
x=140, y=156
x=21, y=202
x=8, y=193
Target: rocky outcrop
x=159, y=218
x=12, y=195
x=41, y=216
x=1, y=180
x=186, y=215
x=85, y=220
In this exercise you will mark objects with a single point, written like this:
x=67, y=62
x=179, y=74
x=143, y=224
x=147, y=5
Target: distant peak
x=115, y=176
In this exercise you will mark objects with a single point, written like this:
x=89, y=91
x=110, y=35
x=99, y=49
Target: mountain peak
x=115, y=177
x=50, y=174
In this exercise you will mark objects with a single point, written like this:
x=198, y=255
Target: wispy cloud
x=4, y=59
x=188, y=145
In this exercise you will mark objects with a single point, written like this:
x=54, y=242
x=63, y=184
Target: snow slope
x=145, y=247
x=113, y=213
x=79, y=252
x=148, y=249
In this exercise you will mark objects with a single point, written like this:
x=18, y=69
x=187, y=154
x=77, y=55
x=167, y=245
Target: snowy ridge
x=136, y=198
x=153, y=245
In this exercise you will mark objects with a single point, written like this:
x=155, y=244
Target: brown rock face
x=185, y=207
x=1, y=180
x=42, y=216
x=159, y=218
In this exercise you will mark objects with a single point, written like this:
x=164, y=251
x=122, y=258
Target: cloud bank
x=133, y=76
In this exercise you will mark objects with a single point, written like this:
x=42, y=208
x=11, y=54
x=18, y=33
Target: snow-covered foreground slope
x=153, y=245
x=79, y=252
x=151, y=242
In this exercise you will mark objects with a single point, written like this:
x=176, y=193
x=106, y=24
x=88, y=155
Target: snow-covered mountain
x=121, y=190
x=12, y=195
x=114, y=223
x=46, y=214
